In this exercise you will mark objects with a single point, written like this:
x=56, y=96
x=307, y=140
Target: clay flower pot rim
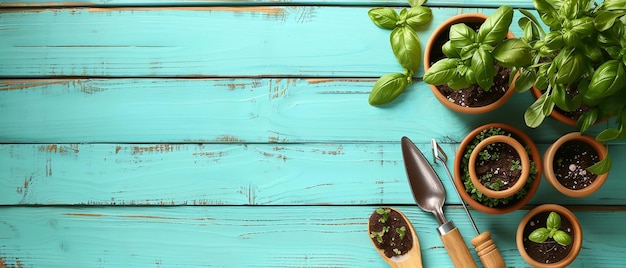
x=525, y=163
x=461, y=18
x=558, y=116
x=577, y=239
x=458, y=178
x=548, y=159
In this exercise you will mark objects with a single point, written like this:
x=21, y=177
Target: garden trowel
x=430, y=196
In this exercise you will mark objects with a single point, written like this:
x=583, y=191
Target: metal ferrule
x=446, y=228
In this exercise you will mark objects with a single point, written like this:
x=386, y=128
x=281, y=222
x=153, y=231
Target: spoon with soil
x=394, y=238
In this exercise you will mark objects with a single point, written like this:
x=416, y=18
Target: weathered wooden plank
x=254, y=236
x=284, y=41
x=235, y=110
x=453, y=3
x=233, y=174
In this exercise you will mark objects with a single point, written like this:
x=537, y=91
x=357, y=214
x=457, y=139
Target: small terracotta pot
x=525, y=163
x=430, y=45
x=577, y=235
x=548, y=159
x=458, y=178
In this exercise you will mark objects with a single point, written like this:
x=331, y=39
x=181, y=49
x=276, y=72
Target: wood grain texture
x=450, y=3
x=283, y=41
x=237, y=111
x=302, y=236
x=233, y=174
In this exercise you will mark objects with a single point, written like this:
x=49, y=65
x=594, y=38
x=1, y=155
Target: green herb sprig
x=553, y=223
x=405, y=45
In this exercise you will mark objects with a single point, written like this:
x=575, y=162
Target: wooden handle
x=457, y=249
x=487, y=251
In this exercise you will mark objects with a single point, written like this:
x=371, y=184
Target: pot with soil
x=567, y=162
x=549, y=235
x=394, y=238
x=468, y=60
x=469, y=190
x=498, y=166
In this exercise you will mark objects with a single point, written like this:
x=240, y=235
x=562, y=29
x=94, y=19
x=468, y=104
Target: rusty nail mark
x=117, y=149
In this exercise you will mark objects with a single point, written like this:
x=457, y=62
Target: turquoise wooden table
x=148, y=133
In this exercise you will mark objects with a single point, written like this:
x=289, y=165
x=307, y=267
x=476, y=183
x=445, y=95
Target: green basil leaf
x=607, y=80
x=533, y=116
x=458, y=82
x=495, y=28
x=539, y=235
x=548, y=14
x=554, y=40
x=561, y=99
x=553, y=221
x=383, y=17
x=482, y=65
x=441, y=72
x=601, y=167
x=548, y=106
x=532, y=18
x=571, y=67
x=586, y=120
x=461, y=36
x=513, y=53
x=387, y=88
x=468, y=51
x=542, y=81
x=571, y=38
x=531, y=32
x=605, y=19
x=593, y=51
x=562, y=238
x=525, y=80
x=449, y=51
x=406, y=47
x=569, y=9
x=608, y=134
x=614, y=4
x=418, y=16
x=583, y=26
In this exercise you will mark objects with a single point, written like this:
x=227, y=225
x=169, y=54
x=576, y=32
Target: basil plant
x=579, y=64
x=471, y=54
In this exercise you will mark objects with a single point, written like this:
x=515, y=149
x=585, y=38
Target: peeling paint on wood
x=161, y=148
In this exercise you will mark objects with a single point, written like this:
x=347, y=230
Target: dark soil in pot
x=571, y=162
x=390, y=232
x=499, y=167
x=483, y=199
x=549, y=251
x=473, y=96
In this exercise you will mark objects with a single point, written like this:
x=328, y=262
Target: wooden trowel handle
x=487, y=251
x=457, y=249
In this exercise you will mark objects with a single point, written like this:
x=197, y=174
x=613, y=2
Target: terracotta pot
x=525, y=163
x=577, y=235
x=534, y=157
x=548, y=160
x=430, y=45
